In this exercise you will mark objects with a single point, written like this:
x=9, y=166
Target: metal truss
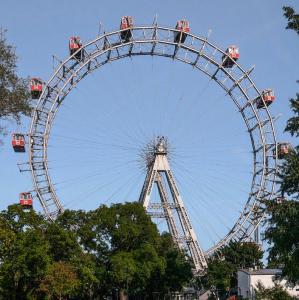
x=156, y=170
x=200, y=54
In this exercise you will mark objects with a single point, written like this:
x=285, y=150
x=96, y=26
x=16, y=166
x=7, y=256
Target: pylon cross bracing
x=173, y=210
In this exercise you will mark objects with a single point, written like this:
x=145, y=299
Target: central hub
x=161, y=145
x=157, y=146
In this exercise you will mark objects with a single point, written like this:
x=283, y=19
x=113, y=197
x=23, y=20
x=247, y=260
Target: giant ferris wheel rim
x=71, y=71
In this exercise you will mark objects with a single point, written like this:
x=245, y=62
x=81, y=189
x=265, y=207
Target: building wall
x=266, y=280
x=243, y=284
x=248, y=282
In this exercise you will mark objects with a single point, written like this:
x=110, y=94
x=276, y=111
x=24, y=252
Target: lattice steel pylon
x=173, y=210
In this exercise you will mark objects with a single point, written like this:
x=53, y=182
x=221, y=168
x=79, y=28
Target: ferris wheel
x=177, y=44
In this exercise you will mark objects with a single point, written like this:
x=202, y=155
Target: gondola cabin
x=36, y=88
x=18, y=142
x=26, y=200
x=231, y=56
x=283, y=149
x=267, y=96
x=183, y=27
x=126, y=24
x=74, y=45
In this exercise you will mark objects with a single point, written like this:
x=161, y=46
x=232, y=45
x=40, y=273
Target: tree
x=29, y=245
x=24, y=254
x=60, y=281
x=63, y=244
x=293, y=18
x=283, y=217
x=289, y=170
x=90, y=276
x=282, y=236
x=122, y=272
x=24, y=265
x=177, y=270
x=219, y=275
x=18, y=220
x=134, y=254
x=14, y=94
x=243, y=254
x=274, y=293
x=129, y=226
x=87, y=255
x=127, y=252
x=223, y=266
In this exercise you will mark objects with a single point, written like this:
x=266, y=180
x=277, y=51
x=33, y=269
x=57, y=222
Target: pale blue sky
x=127, y=102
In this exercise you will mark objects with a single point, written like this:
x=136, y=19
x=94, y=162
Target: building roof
x=262, y=271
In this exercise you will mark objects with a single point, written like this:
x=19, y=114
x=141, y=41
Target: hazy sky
x=101, y=127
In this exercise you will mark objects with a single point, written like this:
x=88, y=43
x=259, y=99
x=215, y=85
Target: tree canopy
x=14, y=92
x=86, y=255
x=290, y=168
x=274, y=293
x=282, y=236
x=223, y=266
x=283, y=221
x=289, y=172
x=293, y=18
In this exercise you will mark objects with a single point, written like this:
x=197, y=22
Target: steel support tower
x=172, y=209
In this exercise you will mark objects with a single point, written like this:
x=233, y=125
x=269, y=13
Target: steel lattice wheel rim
x=201, y=55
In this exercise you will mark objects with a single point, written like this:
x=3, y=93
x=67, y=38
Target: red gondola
x=74, y=45
x=283, y=149
x=18, y=142
x=36, y=88
x=183, y=27
x=231, y=56
x=26, y=200
x=268, y=97
x=126, y=23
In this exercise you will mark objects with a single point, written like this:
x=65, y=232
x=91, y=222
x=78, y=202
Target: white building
x=249, y=278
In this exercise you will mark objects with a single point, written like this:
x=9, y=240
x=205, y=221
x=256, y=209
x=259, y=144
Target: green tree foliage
x=123, y=270
x=87, y=255
x=14, y=94
x=289, y=173
x=289, y=169
x=129, y=252
x=282, y=235
x=223, y=266
x=219, y=275
x=24, y=253
x=24, y=266
x=274, y=293
x=293, y=123
x=60, y=281
x=293, y=18
x=283, y=221
x=243, y=255
x=176, y=272
x=63, y=244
